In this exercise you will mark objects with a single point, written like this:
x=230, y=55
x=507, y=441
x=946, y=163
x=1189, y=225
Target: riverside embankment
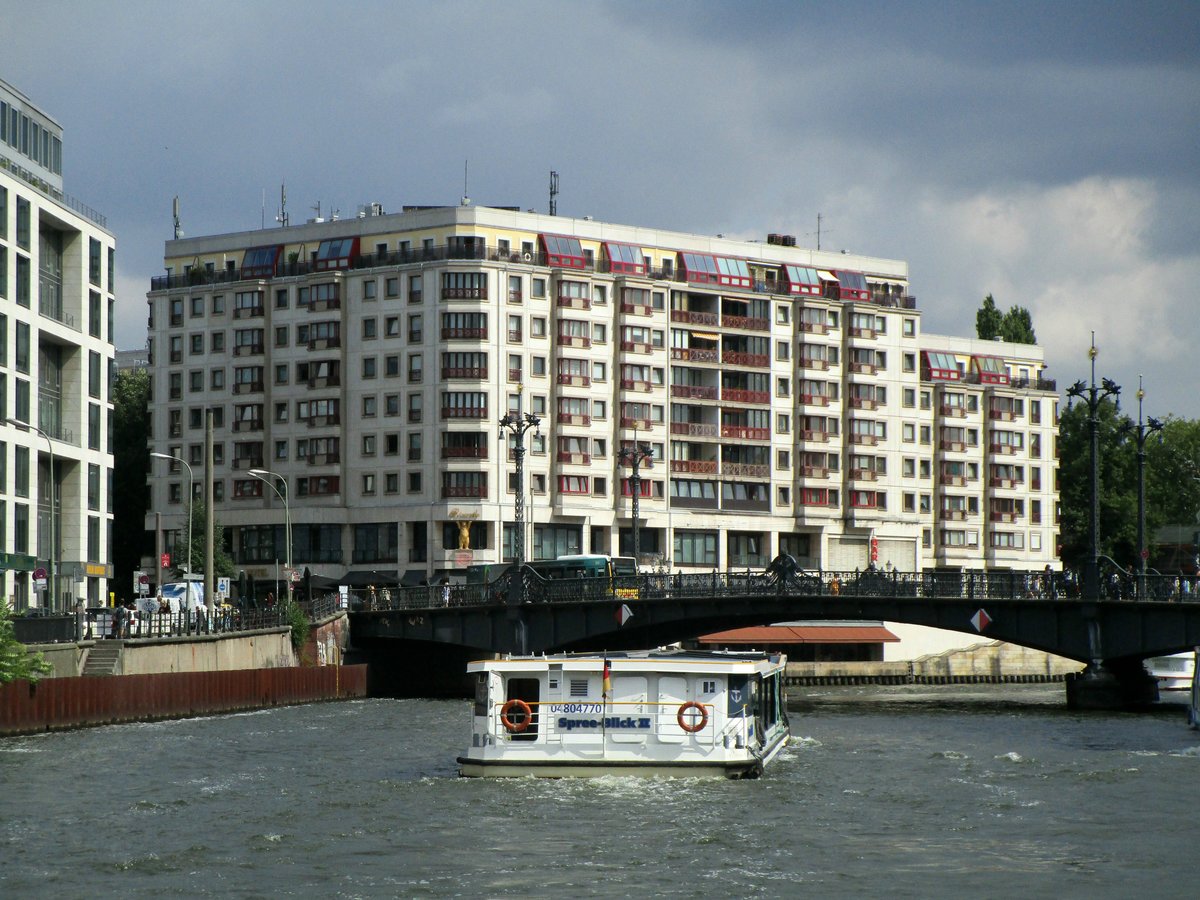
x=100, y=682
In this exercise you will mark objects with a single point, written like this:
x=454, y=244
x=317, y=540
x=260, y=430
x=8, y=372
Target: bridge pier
x=1115, y=685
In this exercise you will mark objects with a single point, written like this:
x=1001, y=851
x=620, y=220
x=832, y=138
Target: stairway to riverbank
x=103, y=658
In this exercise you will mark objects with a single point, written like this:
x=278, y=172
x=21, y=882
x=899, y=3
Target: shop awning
x=826, y=276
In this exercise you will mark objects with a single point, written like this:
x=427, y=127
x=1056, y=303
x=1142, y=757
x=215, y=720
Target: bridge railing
x=650, y=587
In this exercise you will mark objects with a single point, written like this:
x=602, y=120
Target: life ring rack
x=523, y=711
x=691, y=726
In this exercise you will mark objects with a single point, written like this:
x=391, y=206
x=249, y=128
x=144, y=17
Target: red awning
x=803, y=634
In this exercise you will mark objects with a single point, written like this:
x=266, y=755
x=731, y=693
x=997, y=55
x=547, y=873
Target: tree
x=1017, y=327
x=15, y=659
x=988, y=320
x=1014, y=326
x=130, y=493
x=223, y=566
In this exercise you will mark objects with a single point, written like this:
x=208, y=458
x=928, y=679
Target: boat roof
x=663, y=659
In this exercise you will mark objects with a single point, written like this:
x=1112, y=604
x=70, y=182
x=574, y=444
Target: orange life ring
x=523, y=710
x=691, y=727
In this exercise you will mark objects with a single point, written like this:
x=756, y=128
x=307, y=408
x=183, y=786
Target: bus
x=618, y=572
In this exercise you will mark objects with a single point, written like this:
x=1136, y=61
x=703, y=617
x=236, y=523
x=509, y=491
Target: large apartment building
x=788, y=399
x=56, y=365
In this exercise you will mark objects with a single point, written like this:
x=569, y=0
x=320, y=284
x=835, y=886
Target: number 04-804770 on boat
x=657, y=712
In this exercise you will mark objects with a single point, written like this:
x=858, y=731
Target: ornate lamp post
x=52, y=551
x=634, y=455
x=1093, y=396
x=270, y=478
x=517, y=423
x=1140, y=432
x=187, y=569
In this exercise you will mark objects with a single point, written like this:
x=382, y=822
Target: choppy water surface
x=949, y=792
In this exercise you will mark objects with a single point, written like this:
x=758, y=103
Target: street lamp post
x=634, y=455
x=268, y=478
x=187, y=568
x=517, y=423
x=52, y=552
x=1093, y=396
x=1140, y=432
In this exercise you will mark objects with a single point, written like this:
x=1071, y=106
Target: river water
x=904, y=792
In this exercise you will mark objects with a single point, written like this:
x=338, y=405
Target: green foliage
x=131, y=463
x=298, y=619
x=223, y=566
x=1014, y=326
x=15, y=660
x=1172, y=494
x=988, y=320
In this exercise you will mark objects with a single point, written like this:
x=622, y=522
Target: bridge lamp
x=517, y=423
x=274, y=481
x=1093, y=396
x=187, y=569
x=1140, y=432
x=633, y=455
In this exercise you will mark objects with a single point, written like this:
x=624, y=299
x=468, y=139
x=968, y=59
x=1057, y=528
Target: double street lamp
x=187, y=566
x=274, y=480
x=52, y=551
x=634, y=455
x=517, y=423
x=1140, y=432
x=1093, y=396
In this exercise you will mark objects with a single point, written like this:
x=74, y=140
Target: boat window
x=481, y=694
x=710, y=687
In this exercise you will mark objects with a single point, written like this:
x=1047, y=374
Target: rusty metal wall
x=57, y=703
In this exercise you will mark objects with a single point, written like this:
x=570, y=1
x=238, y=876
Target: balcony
x=745, y=433
x=740, y=358
x=814, y=328
x=808, y=362
x=464, y=334
x=248, y=312
x=324, y=459
x=247, y=462
x=745, y=323
x=568, y=340
x=954, y=515
x=248, y=350
x=690, y=354
x=957, y=412
x=320, y=381
x=695, y=466
x=637, y=309
x=868, y=440
x=247, y=424
x=952, y=480
x=1005, y=483
x=694, y=318
x=467, y=293
x=738, y=395
x=863, y=403
x=1004, y=449
x=473, y=490
x=514, y=375
x=745, y=470
x=638, y=423
x=514, y=337
x=629, y=346
x=863, y=368
x=464, y=412
x=869, y=333
x=465, y=452
x=636, y=384
x=814, y=435
x=574, y=459
x=694, y=429
x=693, y=392
x=863, y=475
x=953, y=446
x=573, y=419
x=459, y=372
x=248, y=387
x=324, y=343
x=814, y=472
x=814, y=399
x=1004, y=415
x=566, y=302
x=1006, y=517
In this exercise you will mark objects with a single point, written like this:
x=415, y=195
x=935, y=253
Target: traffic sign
x=1145, y=554
x=981, y=620
x=39, y=574
x=165, y=561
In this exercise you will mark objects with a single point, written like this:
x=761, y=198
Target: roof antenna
x=818, y=231
x=282, y=218
x=553, y=193
x=466, y=197
x=175, y=215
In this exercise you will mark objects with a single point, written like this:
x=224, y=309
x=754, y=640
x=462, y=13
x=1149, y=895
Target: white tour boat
x=1174, y=672
x=655, y=712
x=1194, y=705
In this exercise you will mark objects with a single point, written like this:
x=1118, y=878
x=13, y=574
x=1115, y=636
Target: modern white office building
x=787, y=400
x=56, y=365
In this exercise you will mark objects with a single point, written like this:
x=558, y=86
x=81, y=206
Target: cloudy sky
x=1046, y=153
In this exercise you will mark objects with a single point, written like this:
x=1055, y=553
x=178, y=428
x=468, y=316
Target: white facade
x=784, y=393
x=56, y=366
